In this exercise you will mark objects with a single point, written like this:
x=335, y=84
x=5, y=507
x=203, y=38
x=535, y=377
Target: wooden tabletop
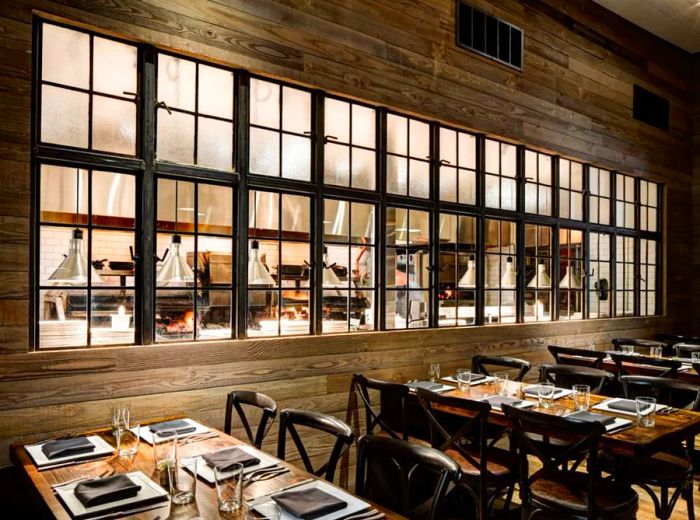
x=205, y=507
x=636, y=441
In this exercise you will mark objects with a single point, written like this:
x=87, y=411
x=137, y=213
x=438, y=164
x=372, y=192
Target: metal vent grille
x=489, y=36
x=650, y=108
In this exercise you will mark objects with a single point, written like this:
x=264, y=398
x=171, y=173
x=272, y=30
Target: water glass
x=591, y=345
x=545, y=394
x=229, y=487
x=434, y=372
x=655, y=351
x=464, y=378
x=164, y=450
x=627, y=349
x=183, y=481
x=646, y=411
x=266, y=511
x=500, y=383
x=120, y=418
x=695, y=357
x=128, y=440
x=582, y=397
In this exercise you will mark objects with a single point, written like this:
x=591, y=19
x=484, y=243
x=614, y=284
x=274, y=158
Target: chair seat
x=570, y=494
x=499, y=462
x=659, y=468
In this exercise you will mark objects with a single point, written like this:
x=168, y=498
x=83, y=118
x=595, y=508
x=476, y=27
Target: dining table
x=204, y=507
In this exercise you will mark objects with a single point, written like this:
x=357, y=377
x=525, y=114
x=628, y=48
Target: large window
x=538, y=273
x=273, y=209
x=349, y=254
x=458, y=270
x=501, y=282
x=407, y=253
x=500, y=164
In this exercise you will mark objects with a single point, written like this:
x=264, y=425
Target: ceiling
x=676, y=21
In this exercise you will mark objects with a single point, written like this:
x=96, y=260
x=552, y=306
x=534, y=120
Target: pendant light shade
x=468, y=280
x=74, y=268
x=541, y=278
x=175, y=272
x=509, y=279
x=257, y=272
x=570, y=280
x=330, y=279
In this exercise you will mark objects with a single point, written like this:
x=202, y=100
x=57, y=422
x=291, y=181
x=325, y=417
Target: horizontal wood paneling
x=573, y=97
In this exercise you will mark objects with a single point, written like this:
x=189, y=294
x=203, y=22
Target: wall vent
x=489, y=36
x=650, y=108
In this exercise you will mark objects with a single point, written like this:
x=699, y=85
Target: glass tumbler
x=128, y=440
x=229, y=487
x=646, y=411
x=164, y=450
x=434, y=372
x=464, y=379
x=581, y=397
x=545, y=394
x=183, y=481
x=500, y=383
x=655, y=352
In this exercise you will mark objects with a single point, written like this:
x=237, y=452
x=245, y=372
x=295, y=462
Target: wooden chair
x=685, y=350
x=673, y=468
x=487, y=472
x=554, y=491
x=344, y=437
x=236, y=399
x=480, y=364
x=673, y=339
x=407, y=478
x=577, y=356
x=638, y=344
x=565, y=376
x=664, y=366
x=393, y=398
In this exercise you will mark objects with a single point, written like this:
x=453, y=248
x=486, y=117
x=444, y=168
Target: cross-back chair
x=236, y=400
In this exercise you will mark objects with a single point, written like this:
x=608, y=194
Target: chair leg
x=665, y=513
x=689, y=499
x=509, y=499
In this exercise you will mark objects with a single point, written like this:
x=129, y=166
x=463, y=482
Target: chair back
x=565, y=376
x=580, y=437
x=577, y=356
x=664, y=366
x=393, y=398
x=643, y=344
x=236, y=400
x=407, y=478
x=685, y=350
x=344, y=436
x=671, y=392
x=480, y=365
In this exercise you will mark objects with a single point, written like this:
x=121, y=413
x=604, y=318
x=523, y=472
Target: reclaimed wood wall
x=573, y=97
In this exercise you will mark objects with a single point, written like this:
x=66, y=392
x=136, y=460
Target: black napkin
x=426, y=385
x=67, y=447
x=585, y=416
x=230, y=456
x=105, y=490
x=167, y=428
x=498, y=400
x=534, y=390
x=625, y=406
x=309, y=503
x=475, y=378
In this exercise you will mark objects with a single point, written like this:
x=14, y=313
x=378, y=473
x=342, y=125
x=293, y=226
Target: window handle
x=133, y=256
x=310, y=265
x=331, y=137
x=445, y=161
x=161, y=258
x=592, y=273
x=163, y=104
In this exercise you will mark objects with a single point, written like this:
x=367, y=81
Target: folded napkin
x=178, y=426
x=67, y=447
x=534, y=390
x=475, y=378
x=498, y=400
x=585, y=416
x=105, y=490
x=309, y=503
x=624, y=405
x=230, y=456
x=426, y=385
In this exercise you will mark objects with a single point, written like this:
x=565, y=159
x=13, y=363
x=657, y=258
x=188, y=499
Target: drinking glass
x=164, y=450
x=464, y=378
x=695, y=357
x=434, y=372
x=655, y=351
x=120, y=418
x=545, y=394
x=229, y=487
x=627, y=349
x=183, y=481
x=128, y=440
x=500, y=383
x=266, y=511
x=591, y=345
x=646, y=411
x=582, y=397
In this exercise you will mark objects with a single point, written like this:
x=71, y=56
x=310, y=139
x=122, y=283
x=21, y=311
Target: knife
x=257, y=500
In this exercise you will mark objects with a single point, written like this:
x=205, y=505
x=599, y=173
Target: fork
x=262, y=471
x=269, y=475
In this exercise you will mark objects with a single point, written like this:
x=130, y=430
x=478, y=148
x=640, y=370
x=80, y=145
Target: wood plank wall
x=574, y=97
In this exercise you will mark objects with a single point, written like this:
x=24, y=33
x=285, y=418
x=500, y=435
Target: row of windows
x=404, y=223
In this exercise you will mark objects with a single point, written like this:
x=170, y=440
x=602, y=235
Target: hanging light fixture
x=509, y=279
x=330, y=279
x=73, y=270
x=175, y=271
x=468, y=280
x=541, y=278
x=570, y=280
x=257, y=272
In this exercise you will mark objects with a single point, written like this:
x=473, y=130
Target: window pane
x=215, y=209
x=467, y=151
x=264, y=152
x=215, y=92
x=213, y=314
x=55, y=246
x=336, y=220
x=397, y=174
x=111, y=321
x=363, y=126
x=175, y=137
x=467, y=187
x=362, y=225
x=176, y=82
x=337, y=164
x=295, y=217
x=113, y=125
x=114, y=67
x=215, y=144
x=419, y=139
x=420, y=179
x=62, y=318
x=60, y=188
x=448, y=146
x=174, y=315
x=364, y=169
x=296, y=110
x=57, y=44
x=170, y=194
x=337, y=120
x=112, y=250
x=296, y=157
x=64, y=117
x=113, y=199
x=448, y=183
x=493, y=155
x=397, y=134
x=264, y=103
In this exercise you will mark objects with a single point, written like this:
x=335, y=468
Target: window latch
x=163, y=104
x=161, y=258
x=330, y=138
x=445, y=162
